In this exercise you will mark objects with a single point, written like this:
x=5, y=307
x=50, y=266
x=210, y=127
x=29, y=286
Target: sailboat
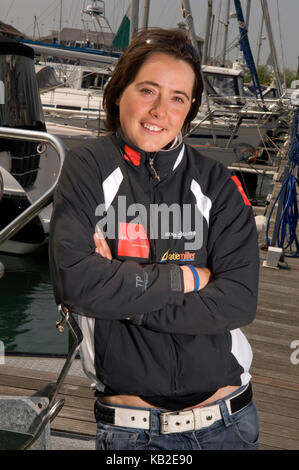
x=233, y=116
x=28, y=169
x=77, y=100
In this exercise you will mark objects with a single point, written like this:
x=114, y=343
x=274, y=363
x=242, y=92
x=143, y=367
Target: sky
x=167, y=13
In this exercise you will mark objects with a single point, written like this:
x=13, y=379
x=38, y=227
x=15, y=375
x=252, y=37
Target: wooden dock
x=275, y=373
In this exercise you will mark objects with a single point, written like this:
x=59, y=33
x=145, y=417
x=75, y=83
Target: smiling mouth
x=151, y=127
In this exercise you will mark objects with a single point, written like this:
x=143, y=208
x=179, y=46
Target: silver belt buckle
x=179, y=422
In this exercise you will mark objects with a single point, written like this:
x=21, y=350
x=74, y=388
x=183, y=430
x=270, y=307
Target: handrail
x=28, y=214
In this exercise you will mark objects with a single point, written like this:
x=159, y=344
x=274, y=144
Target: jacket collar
x=164, y=160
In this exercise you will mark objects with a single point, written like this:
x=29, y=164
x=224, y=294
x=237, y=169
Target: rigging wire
x=9, y=8
x=41, y=18
x=281, y=45
x=286, y=234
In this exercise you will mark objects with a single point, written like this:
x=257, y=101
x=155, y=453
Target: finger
x=102, y=244
x=99, y=247
x=102, y=247
x=97, y=241
x=99, y=233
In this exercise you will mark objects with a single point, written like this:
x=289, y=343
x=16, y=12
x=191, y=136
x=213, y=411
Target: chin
x=151, y=146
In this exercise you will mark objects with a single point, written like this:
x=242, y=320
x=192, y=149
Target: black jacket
x=175, y=343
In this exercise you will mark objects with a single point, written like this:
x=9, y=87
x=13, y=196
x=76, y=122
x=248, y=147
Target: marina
x=252, y=137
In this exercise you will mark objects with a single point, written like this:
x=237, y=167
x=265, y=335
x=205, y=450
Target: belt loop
x=154, y=422
x=227, y=419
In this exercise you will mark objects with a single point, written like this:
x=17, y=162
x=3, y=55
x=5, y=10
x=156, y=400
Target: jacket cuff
x=176, y=283
x=172, y=275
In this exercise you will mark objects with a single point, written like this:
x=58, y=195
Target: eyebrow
x=148, y=82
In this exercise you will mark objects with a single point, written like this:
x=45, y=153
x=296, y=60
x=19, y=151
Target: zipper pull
x=151, y=162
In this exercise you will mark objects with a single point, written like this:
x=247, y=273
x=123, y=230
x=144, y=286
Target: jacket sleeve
x=82, y=279
x=229, y=301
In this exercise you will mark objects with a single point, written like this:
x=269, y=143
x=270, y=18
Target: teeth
x=152, y=128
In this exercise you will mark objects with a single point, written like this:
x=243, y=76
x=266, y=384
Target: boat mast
x=95, y=12
x=266, y=15
x=60, y=23
x=248, y=6
x=225, y=31
x=145, y=14
x=187, y=15
x=208, y=30
x=134, y=18
x=260, y=39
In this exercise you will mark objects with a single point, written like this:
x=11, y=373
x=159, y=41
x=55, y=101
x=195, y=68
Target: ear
x=193, y=100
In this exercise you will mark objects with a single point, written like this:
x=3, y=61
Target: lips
x=152, y=127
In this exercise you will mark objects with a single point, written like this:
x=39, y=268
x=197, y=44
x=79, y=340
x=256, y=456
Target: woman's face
x=153, y=108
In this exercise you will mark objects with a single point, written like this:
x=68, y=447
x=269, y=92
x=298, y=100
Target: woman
x=156, y=248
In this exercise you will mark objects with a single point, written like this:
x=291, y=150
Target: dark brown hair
x=173, y=42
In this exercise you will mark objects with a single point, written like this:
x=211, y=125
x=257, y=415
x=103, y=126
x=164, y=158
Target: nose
x=159, y=107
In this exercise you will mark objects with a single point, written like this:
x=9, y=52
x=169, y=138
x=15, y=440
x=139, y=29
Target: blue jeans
x=239, y=431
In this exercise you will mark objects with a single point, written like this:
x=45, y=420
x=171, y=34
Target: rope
x=286, y=231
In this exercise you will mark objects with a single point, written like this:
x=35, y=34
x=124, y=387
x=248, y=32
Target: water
x=28, y=311
x=256, y=185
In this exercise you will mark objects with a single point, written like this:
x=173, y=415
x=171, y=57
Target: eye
x=146, y=91
x=178, y=99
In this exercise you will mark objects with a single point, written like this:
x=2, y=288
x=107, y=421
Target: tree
x=290, y=75
x=265, y=75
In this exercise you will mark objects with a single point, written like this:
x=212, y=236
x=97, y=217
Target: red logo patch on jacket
x=241, y=190
x=132, y=156
x=132, y=241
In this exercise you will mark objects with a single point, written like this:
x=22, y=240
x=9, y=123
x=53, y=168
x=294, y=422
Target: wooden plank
x=45, y=375
x=274, y=382
x=74, y=402
x=283, y=407
x=73, y=426
x=263, y=446
x=278, y=441
x=266, y=339
x=75, y=413
x=274, y=327
x=272, y=373
x=279, y=366
x=37, y=385
x=285, y=421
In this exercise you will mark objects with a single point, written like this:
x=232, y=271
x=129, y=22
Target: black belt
x=173, y=421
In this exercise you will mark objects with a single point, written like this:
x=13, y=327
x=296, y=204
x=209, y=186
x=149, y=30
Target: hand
x=204, y=277
x=101, y=245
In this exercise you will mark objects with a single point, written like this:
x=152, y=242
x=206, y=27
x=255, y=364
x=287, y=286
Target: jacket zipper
x=171, y=345
x=151, y=162
x=156, y=177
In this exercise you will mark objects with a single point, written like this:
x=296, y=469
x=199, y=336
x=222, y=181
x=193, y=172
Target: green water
x=28, y=312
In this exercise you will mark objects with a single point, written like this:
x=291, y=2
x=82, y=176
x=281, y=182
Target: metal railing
x=11, y=439
x=27, y=215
